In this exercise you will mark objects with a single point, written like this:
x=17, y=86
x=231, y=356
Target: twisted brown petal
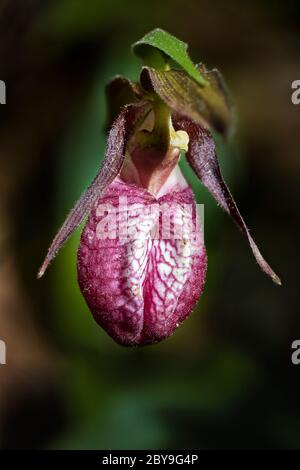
x=119, y=92
x=202, y=157
x=208, y=105
x=121, y=130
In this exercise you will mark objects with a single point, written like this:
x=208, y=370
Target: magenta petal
x=141, y=289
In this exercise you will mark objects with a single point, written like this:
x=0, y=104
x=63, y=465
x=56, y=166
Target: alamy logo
x=2, y=352
x=296, y=94
x=126, y=221
x=2, y=92
x=296, y=354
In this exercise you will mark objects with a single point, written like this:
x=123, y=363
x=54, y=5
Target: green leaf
x=170, y=48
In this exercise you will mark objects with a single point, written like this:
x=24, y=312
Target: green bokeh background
x=225, y=379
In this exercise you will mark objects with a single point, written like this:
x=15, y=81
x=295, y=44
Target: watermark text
x=2, y=352
x=2, y=92
x=295, y=97
x=296, y=354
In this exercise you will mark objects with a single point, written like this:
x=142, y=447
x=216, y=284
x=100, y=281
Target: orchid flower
x=140, y=288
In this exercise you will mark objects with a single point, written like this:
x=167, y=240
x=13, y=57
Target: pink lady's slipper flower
x=141, y=259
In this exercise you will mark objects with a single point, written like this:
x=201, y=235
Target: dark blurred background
x=225, y=379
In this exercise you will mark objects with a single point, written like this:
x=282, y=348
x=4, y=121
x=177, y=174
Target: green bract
x=188, y=89
x=171, y=47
